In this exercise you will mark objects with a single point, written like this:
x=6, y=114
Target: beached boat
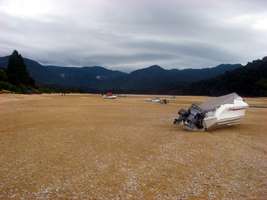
x=225, y=110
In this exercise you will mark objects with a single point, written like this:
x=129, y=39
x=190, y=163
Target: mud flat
x=87, y=147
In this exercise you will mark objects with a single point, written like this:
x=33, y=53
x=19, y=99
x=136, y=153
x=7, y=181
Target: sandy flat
x=86, y=147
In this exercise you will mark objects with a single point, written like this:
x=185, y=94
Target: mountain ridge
x=152, y=79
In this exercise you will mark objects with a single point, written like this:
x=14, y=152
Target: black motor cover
x=192, y=118
x=183, y=114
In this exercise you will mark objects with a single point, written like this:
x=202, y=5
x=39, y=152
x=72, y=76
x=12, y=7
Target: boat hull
x=228, y=117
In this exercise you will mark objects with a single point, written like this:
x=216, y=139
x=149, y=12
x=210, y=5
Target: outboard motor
x=191, y=118
x=183, y=114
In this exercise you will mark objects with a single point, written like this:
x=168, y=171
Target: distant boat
x=158, y=100
x=109, y=95
x=155, y=100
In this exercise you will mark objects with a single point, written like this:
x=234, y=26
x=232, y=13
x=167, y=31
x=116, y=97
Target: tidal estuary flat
x=87, y=147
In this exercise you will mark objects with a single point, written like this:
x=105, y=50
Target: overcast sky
x=130, y=34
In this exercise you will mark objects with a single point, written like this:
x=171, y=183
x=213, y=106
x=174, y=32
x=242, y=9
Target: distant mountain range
x=153, y=79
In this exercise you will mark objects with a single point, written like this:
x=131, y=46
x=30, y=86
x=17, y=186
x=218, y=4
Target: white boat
x=109, y=96
x=225, y=110
x=158, y=100
x=155, y=100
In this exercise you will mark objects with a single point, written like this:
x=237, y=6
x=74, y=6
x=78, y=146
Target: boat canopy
x=216, y=102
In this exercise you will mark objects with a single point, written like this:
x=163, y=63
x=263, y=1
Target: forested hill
x=250, y=80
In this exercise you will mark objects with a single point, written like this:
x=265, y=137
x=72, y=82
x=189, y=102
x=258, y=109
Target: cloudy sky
x=129, y=34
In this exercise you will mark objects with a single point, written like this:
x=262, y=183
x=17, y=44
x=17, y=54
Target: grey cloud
x=133, y=34
x=183, y=48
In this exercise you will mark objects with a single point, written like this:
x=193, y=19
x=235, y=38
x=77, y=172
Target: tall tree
x=17, y=71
